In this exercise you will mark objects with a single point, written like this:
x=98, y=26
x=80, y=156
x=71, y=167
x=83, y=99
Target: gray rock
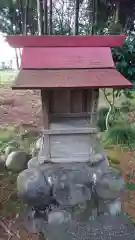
x=31, y=223
x=33, y=188
x=34, y=152
x=110, y=185
x=14, y=144
x=69, y=194
x=71, y=182
x=17, y=161
x=100, y=169
x=58, y=217
x=110, y=207
x=79, y=173
x=33, y=162
x=98, y=158
x=9, y=149
x=39, y=143
x=114, y=207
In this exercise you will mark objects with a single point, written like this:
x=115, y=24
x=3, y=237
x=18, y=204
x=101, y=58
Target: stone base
x=80, y=195
x=101, y=227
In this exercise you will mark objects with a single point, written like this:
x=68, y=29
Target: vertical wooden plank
x=76, y=101
x=45, y=148
x=95, y=98
x=89, y=104
x=84, y=100
x=45, y=106
x=61, y=101
x=89, y=100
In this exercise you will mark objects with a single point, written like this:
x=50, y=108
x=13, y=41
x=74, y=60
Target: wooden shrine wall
x=70, y=124
x=68, y=103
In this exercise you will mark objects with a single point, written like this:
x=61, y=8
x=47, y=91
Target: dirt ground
x=127, y=166
x=23, y=108
x=19, y=107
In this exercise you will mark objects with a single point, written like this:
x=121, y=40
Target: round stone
x=114, y=207
x=58, y=217
x=14, y=144
x=110, y=185
x=33, y=188
x=9, y=149
x=33, y=162
x=69, y=194
x=17, y=161
x=99, y=157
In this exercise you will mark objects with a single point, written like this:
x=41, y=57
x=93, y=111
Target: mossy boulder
x=14, y=144
x=9, y=149
x=33, y=162
x=2, y=162
x=17, y=161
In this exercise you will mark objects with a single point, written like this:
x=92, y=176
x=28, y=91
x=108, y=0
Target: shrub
x=102, y=113
x=121, y=134
x=126, y=106
x=113, y=160
x=101, y=118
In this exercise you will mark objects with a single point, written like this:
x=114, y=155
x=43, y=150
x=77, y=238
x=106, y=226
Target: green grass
x=10, y=134
x=121, y=134
x=12, y=206
x=6, y=77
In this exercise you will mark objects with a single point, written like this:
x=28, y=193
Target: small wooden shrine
x=69, y=70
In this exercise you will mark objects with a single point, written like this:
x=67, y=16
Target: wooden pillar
x=45, y=108
x=95, y=98
x=44, y=154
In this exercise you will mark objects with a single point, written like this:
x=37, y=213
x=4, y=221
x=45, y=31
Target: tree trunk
x=17, y=60
x=95, y=14
x=50, y=24
x=20, y=54
x=91, y=17
x=42, y=16
x=21, y=23
x=117, y=13
x=111, y=107
x=39, y=17
x=45, y=17
x=26, y=17
x=76, y=17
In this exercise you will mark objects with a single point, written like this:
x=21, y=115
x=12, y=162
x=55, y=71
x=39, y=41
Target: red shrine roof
x=63, y=58
x=67, y=61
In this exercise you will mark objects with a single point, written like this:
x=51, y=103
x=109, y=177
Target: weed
x=126, y=106
x=102, y=117
x=130, y=185
x=113, y=160
x=120, y=134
